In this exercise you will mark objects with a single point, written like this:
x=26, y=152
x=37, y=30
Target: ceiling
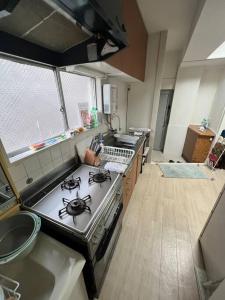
x=209, y=32
x=176, y=16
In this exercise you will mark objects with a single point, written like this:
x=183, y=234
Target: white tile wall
x=47, y=168
x=56, y=153
x=46, y=160
x=57, y=162
x=32, y=164
x=21, y=184
x=18, y=172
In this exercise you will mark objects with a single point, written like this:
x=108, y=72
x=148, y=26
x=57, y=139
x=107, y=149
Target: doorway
x=165, y=104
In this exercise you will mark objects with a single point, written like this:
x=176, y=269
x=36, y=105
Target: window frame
x=62, y=106
x=58, y=70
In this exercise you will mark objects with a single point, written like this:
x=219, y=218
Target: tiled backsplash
x=46, y=160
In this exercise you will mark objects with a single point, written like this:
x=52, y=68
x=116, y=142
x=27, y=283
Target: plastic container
x=114, y=154
x=94, y=117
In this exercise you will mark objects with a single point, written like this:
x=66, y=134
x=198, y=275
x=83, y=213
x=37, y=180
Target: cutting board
x=82, y=146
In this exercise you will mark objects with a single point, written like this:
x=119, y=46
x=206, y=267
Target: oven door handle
x=108, y=235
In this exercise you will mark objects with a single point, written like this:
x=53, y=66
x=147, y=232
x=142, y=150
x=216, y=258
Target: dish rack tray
x=9, y=287
x=120, y=155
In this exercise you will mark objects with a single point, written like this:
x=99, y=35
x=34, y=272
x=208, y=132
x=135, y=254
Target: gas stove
x=67, y=205
x=84, y=211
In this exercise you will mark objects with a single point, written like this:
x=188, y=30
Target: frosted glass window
x=78, y=91
x=29, y=105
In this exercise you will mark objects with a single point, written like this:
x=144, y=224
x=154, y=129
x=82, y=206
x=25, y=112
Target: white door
x=163, y=116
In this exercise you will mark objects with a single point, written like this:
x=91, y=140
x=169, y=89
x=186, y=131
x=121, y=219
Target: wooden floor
x=157, y=249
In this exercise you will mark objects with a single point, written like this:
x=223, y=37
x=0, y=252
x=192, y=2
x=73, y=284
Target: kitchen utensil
x=115, y=154
x=98, y=151
x=91, y=146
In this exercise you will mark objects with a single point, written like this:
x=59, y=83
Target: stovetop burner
x=75, y=206
x=55, y=204
x=99, y=177
x=70, y=184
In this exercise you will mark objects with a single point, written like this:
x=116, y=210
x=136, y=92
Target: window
x=29, y=105
x=79, y=94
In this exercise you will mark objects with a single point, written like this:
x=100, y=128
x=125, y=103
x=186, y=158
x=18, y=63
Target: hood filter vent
x=48, y=31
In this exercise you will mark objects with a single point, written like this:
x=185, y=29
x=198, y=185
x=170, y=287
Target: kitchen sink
x=49, y=272
x=36, y=282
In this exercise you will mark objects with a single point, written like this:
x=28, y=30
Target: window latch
x=62, y=109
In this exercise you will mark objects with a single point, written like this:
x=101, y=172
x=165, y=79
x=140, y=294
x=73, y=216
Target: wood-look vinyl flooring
x=158, y=247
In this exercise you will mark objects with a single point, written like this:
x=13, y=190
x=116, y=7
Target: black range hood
x=61, y=32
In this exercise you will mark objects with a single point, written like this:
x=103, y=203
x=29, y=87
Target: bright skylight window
x=218, y=53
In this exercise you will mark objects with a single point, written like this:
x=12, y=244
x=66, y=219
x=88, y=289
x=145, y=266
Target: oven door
x=106, y=247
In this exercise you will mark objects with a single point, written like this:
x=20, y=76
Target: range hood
x=61, y=32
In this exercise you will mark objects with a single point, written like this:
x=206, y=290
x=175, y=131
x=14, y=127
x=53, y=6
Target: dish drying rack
x=9, y=287
x=114, y=154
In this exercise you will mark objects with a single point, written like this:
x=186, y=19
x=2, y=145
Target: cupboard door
x=139, y=162
x=131, y=60
x=201, y=150
x=129, y=183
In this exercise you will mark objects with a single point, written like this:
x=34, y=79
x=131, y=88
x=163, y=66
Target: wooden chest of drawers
x=197, y=144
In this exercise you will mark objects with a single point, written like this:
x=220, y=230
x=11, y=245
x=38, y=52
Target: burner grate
x=99, y=177
x=70, y=184
x=75, y=206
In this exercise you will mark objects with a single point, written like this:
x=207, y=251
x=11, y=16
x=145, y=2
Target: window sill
x=13, y=160
x=31, y=152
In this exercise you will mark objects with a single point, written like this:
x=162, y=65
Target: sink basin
x=31, y=287
x=125, y=138
x=49, y=272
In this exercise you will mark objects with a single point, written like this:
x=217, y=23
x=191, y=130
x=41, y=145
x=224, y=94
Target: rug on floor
x=182, y=171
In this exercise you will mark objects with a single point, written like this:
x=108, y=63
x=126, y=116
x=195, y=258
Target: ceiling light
x=218, y=53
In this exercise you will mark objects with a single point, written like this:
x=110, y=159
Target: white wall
x=171, y=64
x=144, y=96
x=206, y=94
x=217, y=112
x=186, y=89
x=122, y=103
x=194, y=99
x=140, y=97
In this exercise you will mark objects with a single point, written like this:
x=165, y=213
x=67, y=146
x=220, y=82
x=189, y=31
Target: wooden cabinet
x=131, y=60
x=129, y=183
x=197, y=144
x=139, y=162
x=131, y=177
